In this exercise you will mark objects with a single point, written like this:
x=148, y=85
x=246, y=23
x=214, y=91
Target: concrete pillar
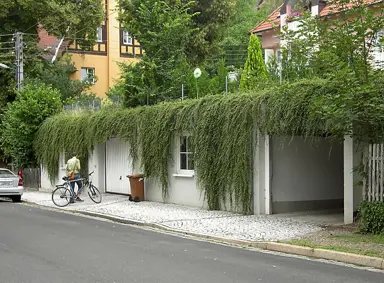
x=348, y=180
x=256, y=173
x=267, y=176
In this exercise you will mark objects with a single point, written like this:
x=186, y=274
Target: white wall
x=182, y=187
x=302, y=172
x=96, y=163
x=45, y=182
x=259, y=189
x=182, y=190
x=46, y=185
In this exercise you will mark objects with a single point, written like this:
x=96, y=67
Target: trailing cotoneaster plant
x=223, y=131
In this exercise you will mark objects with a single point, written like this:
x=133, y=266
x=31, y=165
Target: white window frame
x=127, y=38
x=88, y=72
x=99, y=34
x=183, y=172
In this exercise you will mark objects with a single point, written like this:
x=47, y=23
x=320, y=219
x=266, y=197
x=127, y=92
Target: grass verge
x=343, y=239
x=338, y=248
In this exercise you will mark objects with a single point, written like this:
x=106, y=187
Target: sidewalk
x=188, y=219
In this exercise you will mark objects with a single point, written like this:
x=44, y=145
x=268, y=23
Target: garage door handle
x=120, y=177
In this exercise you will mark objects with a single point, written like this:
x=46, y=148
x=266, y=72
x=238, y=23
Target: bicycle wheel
x=94, y=194
x=61, y=196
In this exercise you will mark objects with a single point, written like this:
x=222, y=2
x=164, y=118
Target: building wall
x=106, y=67
x=270, y=40
x=99, y=63
x=114, y=44
x=182, y=188
x=96, y=163
x=306, y=177
x=46, y=185
x=302, y=176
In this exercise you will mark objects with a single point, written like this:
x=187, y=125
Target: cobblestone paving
x=215, y=223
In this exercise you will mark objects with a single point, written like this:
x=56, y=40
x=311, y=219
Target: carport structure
x=296, y=175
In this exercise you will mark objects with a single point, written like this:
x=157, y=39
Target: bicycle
x=63, y=194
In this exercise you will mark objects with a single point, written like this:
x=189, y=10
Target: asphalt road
x=46, y=246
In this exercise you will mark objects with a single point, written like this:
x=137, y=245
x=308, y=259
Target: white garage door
x=118, y=166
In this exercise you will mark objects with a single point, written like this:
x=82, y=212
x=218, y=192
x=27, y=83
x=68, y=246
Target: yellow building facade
x=113, y=45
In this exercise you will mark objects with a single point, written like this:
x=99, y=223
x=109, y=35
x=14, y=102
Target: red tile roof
x=272, y=21
x=49, y=44
x=274, y=18
x=46, y=40
x=332, y=8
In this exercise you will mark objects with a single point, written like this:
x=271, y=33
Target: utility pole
x=19, y=46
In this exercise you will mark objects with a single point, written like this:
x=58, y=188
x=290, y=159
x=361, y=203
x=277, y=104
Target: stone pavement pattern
x=189, y=219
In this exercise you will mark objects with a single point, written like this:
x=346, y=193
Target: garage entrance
x=306, y=177
x=118, y=166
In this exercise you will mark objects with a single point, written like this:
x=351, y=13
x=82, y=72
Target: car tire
x=16, y=198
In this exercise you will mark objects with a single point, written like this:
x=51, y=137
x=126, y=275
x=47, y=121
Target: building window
x=88, y=74
x=99, y=34
x=379, y=40
x=378, y=50
x=127, y=38
x=186, y=155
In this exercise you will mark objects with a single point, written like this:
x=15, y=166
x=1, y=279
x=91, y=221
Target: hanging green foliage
x=222, y=128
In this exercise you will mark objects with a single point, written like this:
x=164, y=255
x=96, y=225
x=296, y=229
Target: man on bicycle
x=73, y=173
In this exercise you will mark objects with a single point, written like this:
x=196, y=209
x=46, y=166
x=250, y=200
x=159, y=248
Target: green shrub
x=23, y=118
x=371, y=216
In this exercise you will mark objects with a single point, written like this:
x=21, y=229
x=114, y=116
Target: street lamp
x=6, y=67
x=197, y=74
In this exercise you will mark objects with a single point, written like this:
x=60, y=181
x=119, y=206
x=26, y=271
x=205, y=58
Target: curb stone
x=355, y=259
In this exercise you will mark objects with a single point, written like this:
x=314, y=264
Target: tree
x=246, y=16
x=254, y=69
x=206, y=22
x=71, y=18
x=212, y=19
x=340, y=50
x=57, y=75
x=326, y=46
x=163, y=31
x=22, y=119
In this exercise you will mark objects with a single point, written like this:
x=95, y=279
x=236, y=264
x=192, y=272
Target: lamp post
x=197, y=74
x=6, y=67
